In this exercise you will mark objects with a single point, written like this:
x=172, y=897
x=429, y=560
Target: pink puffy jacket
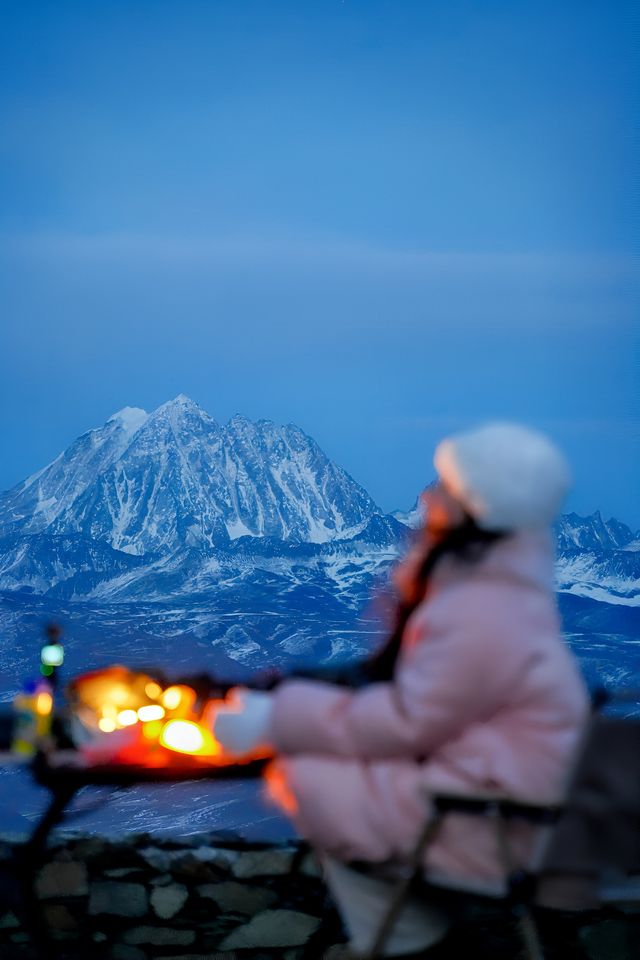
x=486, y=697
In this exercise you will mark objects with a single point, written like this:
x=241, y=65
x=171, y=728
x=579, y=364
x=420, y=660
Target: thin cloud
x=254, y=249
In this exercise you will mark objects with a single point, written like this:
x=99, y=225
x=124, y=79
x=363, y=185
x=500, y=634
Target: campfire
x=123, y=716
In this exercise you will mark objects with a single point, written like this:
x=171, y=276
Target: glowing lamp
x=152, y=712
x=153, y=690
x=152, y=730
x=44, y=704
x=52, y=655
x=127, y=718
x=106, y=724
x=171, y=698
x=179, y=700
x=185, y=736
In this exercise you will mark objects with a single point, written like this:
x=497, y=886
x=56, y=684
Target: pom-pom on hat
x=506, y=476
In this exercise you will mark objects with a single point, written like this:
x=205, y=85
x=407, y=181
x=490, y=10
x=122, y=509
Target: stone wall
x=200, y=897
x=219, y=897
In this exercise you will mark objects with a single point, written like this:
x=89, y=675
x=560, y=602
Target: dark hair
x=468, y=543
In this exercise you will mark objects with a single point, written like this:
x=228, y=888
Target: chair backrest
x=597, y=836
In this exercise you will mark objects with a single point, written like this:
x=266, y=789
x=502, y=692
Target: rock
x=232, y=897
x=20, y=937
x=62, y=880
x=310, y=866
x=606, y=938
x=121, y=872
x=59, y=917
x=167, y=901
x=221, y=856
x=119, y=899
x=88, y=848
x=262, y=863
x=100, y=937
x=159, y=936
x=158, y=859
x=272, y=928
x=339, y=951
x=9, y=920
x=162, y=881
x=190, y=867
x=120, y=951
x=231, y=955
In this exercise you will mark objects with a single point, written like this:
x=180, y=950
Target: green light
x=52, y=655
x=46, y=670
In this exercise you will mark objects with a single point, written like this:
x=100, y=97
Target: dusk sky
x=383, y=221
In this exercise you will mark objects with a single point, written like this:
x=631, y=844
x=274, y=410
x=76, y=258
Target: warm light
x=152, y=712
x=183, y=736
x=52, y=655
x=127, y=718
x=119, y=694
x=153, y=690
x=108, y=710
x=44, y=704
x=171, y=698
x=107, y=725
x=151, y=731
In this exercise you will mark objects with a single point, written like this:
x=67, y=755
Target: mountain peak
x=182, y=400
x=129, y=418
x=180, y=408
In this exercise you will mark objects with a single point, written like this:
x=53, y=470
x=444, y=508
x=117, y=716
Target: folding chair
x=590, y=857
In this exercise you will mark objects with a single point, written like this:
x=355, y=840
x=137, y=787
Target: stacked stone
x=197, y=898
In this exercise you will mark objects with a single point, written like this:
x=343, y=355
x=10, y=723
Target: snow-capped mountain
x=592, y=533
x=598, y=559
x=36, y=503
x=413, y=518
x=154, y=484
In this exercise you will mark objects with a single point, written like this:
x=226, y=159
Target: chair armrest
x=486, y=804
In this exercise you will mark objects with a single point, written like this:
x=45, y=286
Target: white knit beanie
x=506, y=476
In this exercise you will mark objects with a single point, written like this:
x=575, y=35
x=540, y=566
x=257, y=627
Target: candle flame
x=127, y=718
x=152, y=712
x=185, y=736
x=44, y=704
x=171, y=697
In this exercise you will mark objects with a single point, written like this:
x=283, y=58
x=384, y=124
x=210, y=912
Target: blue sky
x=380, y=220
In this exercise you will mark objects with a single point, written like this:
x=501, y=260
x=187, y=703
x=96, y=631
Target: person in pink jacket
x=481, y=693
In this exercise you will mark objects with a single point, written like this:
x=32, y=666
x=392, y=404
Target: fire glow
x=159, y=722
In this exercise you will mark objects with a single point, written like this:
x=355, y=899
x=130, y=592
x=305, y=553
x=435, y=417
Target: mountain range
x=244, y=537
x=167, y=540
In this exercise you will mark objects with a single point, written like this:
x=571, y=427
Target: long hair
x=466, y=542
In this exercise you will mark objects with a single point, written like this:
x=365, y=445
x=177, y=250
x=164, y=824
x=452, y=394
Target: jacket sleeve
x=448, y=676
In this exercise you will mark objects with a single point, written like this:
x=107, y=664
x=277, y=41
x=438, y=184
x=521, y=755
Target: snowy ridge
x=413, y=518
x=172, y=503
x=148, y=484
x=38, y=501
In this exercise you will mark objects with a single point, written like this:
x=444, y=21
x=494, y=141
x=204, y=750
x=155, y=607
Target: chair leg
x=530, y=936
x=403, y=889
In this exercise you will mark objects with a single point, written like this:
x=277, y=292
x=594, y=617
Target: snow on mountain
x=36, y=503
x=149, y=504
x=154, y=484
x=597, y=559
x=589, y=533
x=282, y=485
x=413, y=518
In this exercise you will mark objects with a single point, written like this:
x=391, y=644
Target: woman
x=479, y=693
